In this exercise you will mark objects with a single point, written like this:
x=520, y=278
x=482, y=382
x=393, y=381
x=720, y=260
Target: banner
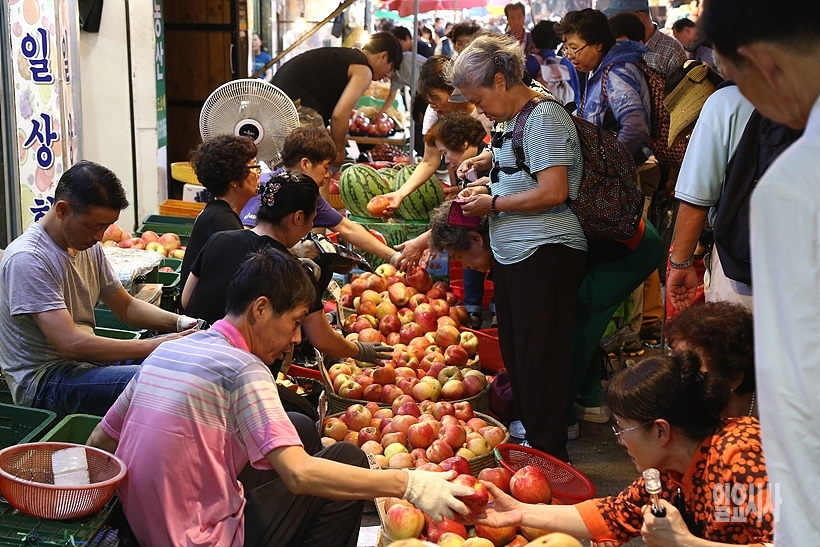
x=162, y=107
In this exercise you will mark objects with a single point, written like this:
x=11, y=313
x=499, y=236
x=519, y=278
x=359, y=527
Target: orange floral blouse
x=726, y=490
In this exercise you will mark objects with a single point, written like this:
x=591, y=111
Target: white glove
x=184, y=323
x=434, y=495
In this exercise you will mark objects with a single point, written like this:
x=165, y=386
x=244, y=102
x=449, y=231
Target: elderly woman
x=715, y=487
x=722, y=334
x=226, y=166
x=538, y=245
x=623, y=104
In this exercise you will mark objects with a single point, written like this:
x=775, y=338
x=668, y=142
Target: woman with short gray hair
x=538, y=245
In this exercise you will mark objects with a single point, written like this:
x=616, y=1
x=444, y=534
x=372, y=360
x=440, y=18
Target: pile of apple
x=167, y=244
x=529, y=485
x=434, y=436
x=553, y=539
x=361, y=125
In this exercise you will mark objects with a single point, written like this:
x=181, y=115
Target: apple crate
x=161, y=224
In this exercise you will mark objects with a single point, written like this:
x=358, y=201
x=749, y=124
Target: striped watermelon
x=389, y=174
x=359, y=184
x=422, y=200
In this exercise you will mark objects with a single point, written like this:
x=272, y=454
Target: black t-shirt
x=216, y=265
x=217, y=216
x=318, y=77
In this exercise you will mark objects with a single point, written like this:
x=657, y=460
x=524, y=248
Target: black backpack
x=609, y=203
x=762, y=142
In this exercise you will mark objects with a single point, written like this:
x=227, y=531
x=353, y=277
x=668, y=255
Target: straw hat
x=685, y=102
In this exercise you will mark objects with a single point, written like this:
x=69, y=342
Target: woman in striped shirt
x=538, y=245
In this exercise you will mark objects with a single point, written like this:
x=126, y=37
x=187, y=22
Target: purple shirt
x=326, y=215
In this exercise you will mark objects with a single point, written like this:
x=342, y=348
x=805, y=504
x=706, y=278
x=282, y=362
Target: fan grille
x=252, y=107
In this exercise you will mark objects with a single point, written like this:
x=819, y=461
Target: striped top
x=550, y=139
x=197, y=411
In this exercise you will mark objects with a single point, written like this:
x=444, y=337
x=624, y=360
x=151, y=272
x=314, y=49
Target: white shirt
x=430, y=119
x=785, y=239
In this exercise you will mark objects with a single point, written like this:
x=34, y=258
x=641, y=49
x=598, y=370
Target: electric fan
x=254, y=108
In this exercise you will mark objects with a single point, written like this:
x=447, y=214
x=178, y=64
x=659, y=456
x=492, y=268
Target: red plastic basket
x=25, y=474
x=568, y=484
x=457, y=286
x=489, y=350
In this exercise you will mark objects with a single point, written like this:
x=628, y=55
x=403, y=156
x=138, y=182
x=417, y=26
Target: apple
x=389, y=393
x=369, y=433
x=398, y=294
x=371, y=447
x=421, y=435
x=112, y=233
x=450, y=539
x=127, y=244
x=406, y=315
x=418, y=278
x=351, y=390
x=377, y=207
x=453, y=434
x=464, y=453
x=363, y=380
x=424, y=391
x=376, y=284
x=499, y=476
x=443, y=408
x=494, y=435
x=440, y=307
x=372, y=392
x=373, y=408
x=446, y=336
x=430, y=336
x=327, y=441
x=334, y=428
x=469, y=341
x=401, y=522
x=340, y=379
x=393, y=338
x=499, y=536
x=402, y=423
x=438, y=451
x=449, y=419
x=393, y=448
x=382, y=413
x=474, y=385
x=453, y=390
x=436, y=292
x=456, y=355
x=458, y=464
x=385, y=308
x=414, y=301
x=463, y=410
x=170, y=241
x=352, y=437
x=555, y=539
x=357, y=417
x=386, y=270
x=478, y=446
x=149, y=236
x=530, y=485
x=409, y=331
x=366, y=307
x=477, y=500
x=451, y=299
x=435, y=530
x=357, y=286
x=409, y=408
x=401, y=461
x=433, y=382
x=446, y=320
x=427, y=319
x=384, y=375
x=396, y=405
x=429, y=466
x=426, y=407
x=434, y=365
x=476, y=424
x=448, y=373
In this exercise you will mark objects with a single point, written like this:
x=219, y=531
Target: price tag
x=334, y=289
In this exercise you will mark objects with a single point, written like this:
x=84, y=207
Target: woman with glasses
x=538, y=246
x=715, y=488
x=226, y=166
x=624, y=104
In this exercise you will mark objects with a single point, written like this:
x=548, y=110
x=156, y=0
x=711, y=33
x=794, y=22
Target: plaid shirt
x=665, y=54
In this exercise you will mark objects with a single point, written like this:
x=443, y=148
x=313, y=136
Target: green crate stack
x=20, y=424
x=105, y=318
x=174, y=263
x=74, y=428
x=117, y=334
x=18, y=529
x=161, y=224
x=5, y=392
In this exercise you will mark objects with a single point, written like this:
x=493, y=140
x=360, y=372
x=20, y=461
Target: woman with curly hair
x=722, y=334
x=226, y=166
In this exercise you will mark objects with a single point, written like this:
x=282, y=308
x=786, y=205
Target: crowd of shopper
x=214, y=456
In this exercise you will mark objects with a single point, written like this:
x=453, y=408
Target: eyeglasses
x=573, y=53
x=619, y=431
x=256, y=166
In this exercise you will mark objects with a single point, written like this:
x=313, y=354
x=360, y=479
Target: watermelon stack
x=359, y=184
x=422, y=200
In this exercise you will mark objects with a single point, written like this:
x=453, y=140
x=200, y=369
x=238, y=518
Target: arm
x=682, y=284
x=322, y=337
x=626, y=105
x=424, y=170
x=360, y=77
x=188, y=291
x=412, y=251
x=552, y=190
x=138, y=313
x=75, y=345
x=482, y=162
x=388, y=101
x=361, y=238
x=671, y=531
x=102, y=440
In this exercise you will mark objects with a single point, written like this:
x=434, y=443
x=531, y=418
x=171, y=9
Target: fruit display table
x=398, y=139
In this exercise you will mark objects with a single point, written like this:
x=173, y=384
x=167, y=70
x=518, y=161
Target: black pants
x=536, y=302
x=275, y=517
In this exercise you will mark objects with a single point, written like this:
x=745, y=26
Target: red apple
x=410, y=331
x=170, y=241
x=451, y=299
x=112, y=233
x=397, y=292
x=446, y=336
x=150, y=236
x=435, y=530
x=389, y=393
x=418, y=278
x=438, y=451
x=335, y=428
x=369, y=433
x=429, y=466
x=440, y=307
x=371, y=447
x=469, y=341
x=426, y=318
x=448, y=373
x=499, y=476
x=372, y=392
x=376, y=284
x=406, y=315
x=396, y=405
x=474, y=385
x=458, y=464
x=443, y=408
x=476, y=423
x=435, y=366
x=414, y=301
x=351, y=390
x=402, y=423
x=530, y=485
x=463, y=410
x=455, y=355
x=357, y=287
x=384, y=375
x=393, y=437
x=453, y=434
x=478, y=499
x=401, y=522
x=494, y=435
x=446, y=320
x=393, y=338
x=356, y=417
x=408, y=408
x=499, y=536
x=436, y=292
x=421, y=435
x=453, y=390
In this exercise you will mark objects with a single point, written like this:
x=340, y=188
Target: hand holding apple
x=434, y=495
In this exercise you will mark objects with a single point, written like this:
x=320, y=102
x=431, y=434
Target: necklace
x=752, y=406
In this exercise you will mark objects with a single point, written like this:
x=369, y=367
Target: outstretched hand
x=504, y=510
x=682, y=287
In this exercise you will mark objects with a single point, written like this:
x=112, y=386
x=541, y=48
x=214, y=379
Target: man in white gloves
x=203, y=407
x=50, y=279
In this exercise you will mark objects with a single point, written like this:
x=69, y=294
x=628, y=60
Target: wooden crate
x=179, y=208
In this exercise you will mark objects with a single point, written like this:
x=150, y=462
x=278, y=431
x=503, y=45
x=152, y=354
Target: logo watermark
x=737, y=502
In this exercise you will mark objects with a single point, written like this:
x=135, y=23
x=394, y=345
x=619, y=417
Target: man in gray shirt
x=50, y=279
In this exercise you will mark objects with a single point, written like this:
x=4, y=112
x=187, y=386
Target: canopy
x=406, y=7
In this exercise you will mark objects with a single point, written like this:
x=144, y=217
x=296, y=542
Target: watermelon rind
x=422, y=200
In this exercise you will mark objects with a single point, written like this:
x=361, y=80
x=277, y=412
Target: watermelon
x=389, y=174
x=358, y=185
x=422, y=200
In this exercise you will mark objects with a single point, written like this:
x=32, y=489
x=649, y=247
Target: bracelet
x=492, y=205
x=681, y=265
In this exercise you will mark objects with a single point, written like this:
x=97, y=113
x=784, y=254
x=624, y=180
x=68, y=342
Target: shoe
x=633, y=349
x=475, y=321
x=517, y=430
x=573, y=432
x=493, y=322
x=651, y=335
x=594, y=414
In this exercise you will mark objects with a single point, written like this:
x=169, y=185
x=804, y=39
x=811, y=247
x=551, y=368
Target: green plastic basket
x=116, y=334
x=5, y=392
x=161, y=224
x=74, y=428
x=170, y=291
x=20, y=424
x=105, y=318
x=175, y=263
x=18, y=529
